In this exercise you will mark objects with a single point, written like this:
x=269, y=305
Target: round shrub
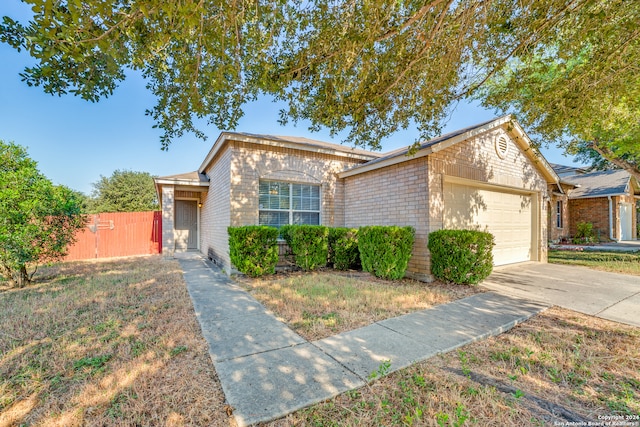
x=343, y=248
x=253, y=249
x=385, y=250
x=309, y=244
x=461, y=256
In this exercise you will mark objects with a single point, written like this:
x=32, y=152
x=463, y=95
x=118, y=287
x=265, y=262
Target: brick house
x=486, y=176
x=607, y=199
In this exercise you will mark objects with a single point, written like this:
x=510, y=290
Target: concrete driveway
x=608, y=295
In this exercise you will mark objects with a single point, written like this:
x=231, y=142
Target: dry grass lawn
x=106, y=343
x=321, y=304
x=557, y=368
x=117, y=343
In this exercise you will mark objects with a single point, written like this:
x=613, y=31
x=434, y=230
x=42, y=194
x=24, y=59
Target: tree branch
x=409, y=22
x=428, y=43
x=112, y=28
x=608, y=154
x=547, y=23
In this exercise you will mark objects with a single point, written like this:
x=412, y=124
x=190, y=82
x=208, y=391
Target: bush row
x=382, y=251
x=458, y=256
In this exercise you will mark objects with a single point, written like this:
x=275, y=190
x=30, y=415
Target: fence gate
x=118, y=234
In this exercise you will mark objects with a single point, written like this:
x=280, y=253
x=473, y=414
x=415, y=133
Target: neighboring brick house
x=486, y=177
x=607, y=199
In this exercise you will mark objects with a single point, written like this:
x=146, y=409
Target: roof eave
x=266, y=140
x=506, y=122
x=591, y=196
x=525, y=143
x=185, y=182
x=402, y=156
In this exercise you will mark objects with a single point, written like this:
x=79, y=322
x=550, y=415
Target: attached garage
x=508, y=214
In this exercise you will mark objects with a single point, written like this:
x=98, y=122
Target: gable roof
x=294, y=142
x=447, y=140
x=599, y=184
x=189, y=178
x=563, y=170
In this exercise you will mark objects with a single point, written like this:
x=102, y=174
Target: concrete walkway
x=267, y=371
x=622, y=246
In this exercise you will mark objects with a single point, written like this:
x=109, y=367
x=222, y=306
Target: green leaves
x=124, y=191
x=253, y=249
x=461, y=256
x=568, y=68
x=37, y=219
x=581, y=82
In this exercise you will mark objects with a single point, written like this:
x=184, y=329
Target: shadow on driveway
x=607, y=295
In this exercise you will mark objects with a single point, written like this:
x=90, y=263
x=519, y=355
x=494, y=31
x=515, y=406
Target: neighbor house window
x=559, y=214
x=287, y=203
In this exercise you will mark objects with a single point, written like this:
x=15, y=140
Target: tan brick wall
x=477, y=159
x=168, y=242
x=216, y=209
x=411, y=193
x=395, y=195
x=235, y=174
x=251, y=163
x=557, y=234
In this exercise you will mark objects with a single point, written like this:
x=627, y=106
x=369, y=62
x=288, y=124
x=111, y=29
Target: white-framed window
x=288, y=203
x=559, y=222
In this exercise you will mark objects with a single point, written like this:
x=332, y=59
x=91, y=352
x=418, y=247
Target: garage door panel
x=508, y=216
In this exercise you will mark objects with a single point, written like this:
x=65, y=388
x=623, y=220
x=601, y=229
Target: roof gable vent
x=502, y=147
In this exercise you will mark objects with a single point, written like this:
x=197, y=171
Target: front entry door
x=186, y=224
x=626, y=224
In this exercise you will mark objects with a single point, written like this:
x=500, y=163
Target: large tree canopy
x=37, y=219
x=369, y=67
x=582, y=87
x=124, y=191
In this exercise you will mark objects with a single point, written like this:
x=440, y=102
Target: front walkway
x=267, y=371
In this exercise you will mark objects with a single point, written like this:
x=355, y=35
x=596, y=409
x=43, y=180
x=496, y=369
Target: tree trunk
x=23, y=277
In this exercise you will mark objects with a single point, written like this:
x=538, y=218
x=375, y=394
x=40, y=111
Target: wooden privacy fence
x=117, y=234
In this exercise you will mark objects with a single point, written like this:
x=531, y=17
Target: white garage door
x=508, y=216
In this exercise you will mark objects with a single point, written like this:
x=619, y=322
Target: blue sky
x=75, y=141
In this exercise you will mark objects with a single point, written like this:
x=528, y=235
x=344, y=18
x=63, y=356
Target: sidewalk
x=623, y=246
x=267, y=371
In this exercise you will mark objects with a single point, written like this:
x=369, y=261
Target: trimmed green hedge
x=254, y=249
x=461, y=256
x=385, y=250
x=309, y=244
x=285, y=233
x=343, y=248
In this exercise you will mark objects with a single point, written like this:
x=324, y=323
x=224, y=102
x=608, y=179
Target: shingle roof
x=599, y=184
x=434, y=141
x=312, y=143
x=563, y=170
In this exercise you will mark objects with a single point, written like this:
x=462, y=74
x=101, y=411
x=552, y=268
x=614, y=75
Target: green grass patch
x=615, y=262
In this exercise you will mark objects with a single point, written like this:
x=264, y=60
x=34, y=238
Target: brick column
x=168, y=243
